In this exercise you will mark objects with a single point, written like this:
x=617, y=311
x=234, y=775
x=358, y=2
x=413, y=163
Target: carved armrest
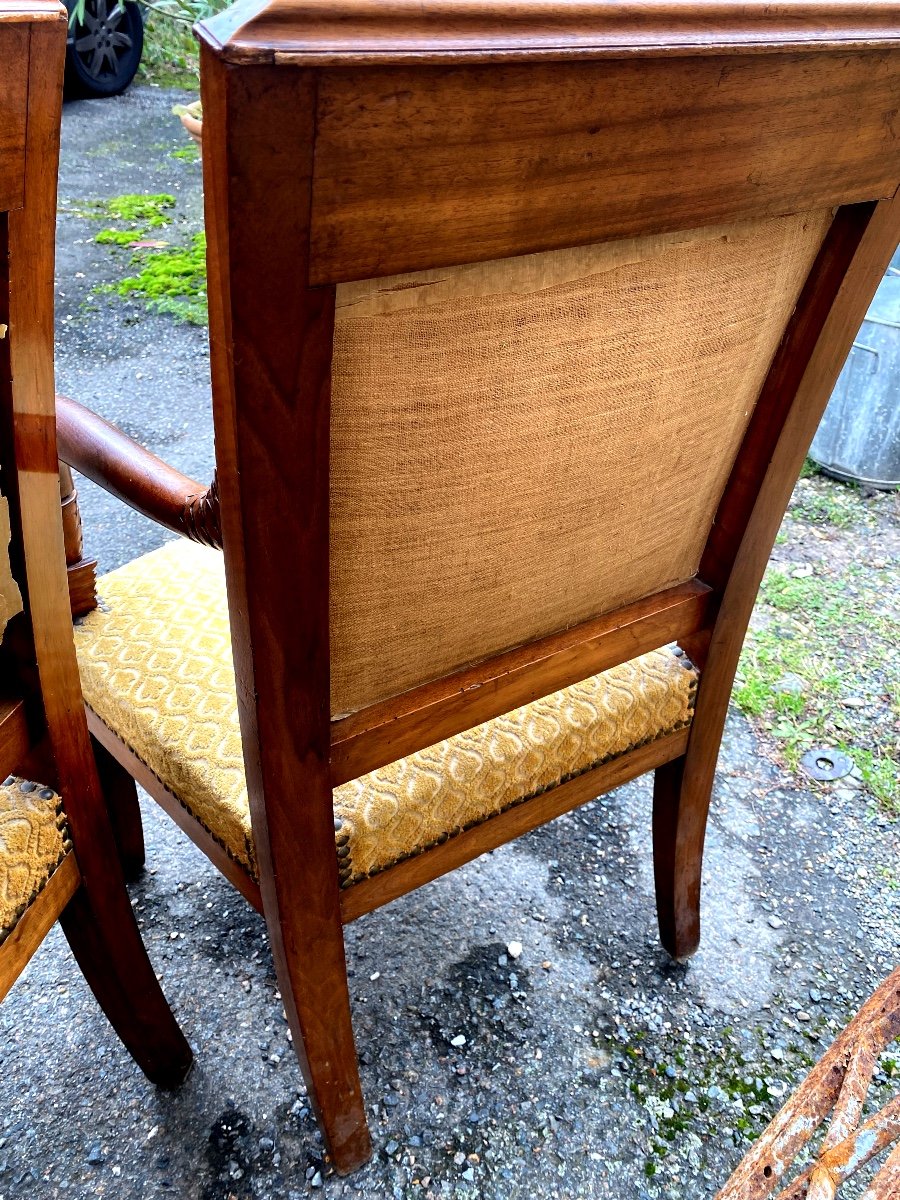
x=125, y=469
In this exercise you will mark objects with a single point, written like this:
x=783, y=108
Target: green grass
x=881, y=775
x=805, y=594
x=167, y=278
x=841, y=506
x=170, y=280
x=830, y=633
x=809, y=468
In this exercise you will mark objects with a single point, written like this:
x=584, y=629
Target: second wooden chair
x=57, y=850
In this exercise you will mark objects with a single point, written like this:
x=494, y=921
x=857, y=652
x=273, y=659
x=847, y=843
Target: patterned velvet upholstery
x=33, y=842
x=156, y=667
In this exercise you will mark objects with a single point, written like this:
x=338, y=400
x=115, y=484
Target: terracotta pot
x=192, y=120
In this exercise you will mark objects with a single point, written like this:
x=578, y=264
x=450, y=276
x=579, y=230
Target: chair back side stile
x=285, y=724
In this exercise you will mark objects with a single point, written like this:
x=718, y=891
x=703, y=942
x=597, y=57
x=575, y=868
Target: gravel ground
x=592, y=1066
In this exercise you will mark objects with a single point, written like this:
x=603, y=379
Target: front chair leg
x=123, y=806
x=103, y=934
x=680, y=808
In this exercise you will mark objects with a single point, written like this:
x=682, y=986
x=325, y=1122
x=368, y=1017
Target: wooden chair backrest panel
x=520, y=446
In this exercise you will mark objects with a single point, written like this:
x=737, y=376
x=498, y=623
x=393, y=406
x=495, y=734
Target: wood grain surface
x=464, y=164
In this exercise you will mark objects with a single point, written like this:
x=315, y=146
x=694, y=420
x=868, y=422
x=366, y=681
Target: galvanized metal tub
x=859, y=435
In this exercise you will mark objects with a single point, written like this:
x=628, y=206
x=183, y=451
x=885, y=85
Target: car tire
x=104, y=49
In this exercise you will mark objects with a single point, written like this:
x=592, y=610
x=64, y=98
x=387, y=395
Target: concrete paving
x=592, y=1066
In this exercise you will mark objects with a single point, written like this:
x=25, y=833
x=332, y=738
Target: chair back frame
x=330, y=143
x=41, y=727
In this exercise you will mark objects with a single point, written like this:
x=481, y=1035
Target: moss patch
x=172, y=280
x=188, y=153
x=168, y=278
x=696, y=1092
x=150, y=212
x=116, y=237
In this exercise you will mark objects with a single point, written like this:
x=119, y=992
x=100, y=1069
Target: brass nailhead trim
x=348, y=879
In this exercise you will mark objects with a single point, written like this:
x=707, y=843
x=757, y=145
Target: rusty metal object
x=838, y=1085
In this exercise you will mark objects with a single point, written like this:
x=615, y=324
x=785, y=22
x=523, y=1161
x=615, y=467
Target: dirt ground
x=592, y=1066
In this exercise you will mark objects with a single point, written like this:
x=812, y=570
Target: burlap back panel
x=520, y=445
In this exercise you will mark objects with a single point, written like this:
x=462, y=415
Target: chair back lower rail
x=392, y=729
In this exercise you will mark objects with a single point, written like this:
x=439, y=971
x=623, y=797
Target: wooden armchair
x=57, y=851
x=523, y=315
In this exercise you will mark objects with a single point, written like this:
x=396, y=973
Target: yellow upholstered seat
x=33, y=842
x=156, y=667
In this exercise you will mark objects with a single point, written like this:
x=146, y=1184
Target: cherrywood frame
x=43, y=732
x=369, y=137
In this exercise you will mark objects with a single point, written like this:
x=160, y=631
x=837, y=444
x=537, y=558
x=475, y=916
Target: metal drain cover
x=827, y=764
